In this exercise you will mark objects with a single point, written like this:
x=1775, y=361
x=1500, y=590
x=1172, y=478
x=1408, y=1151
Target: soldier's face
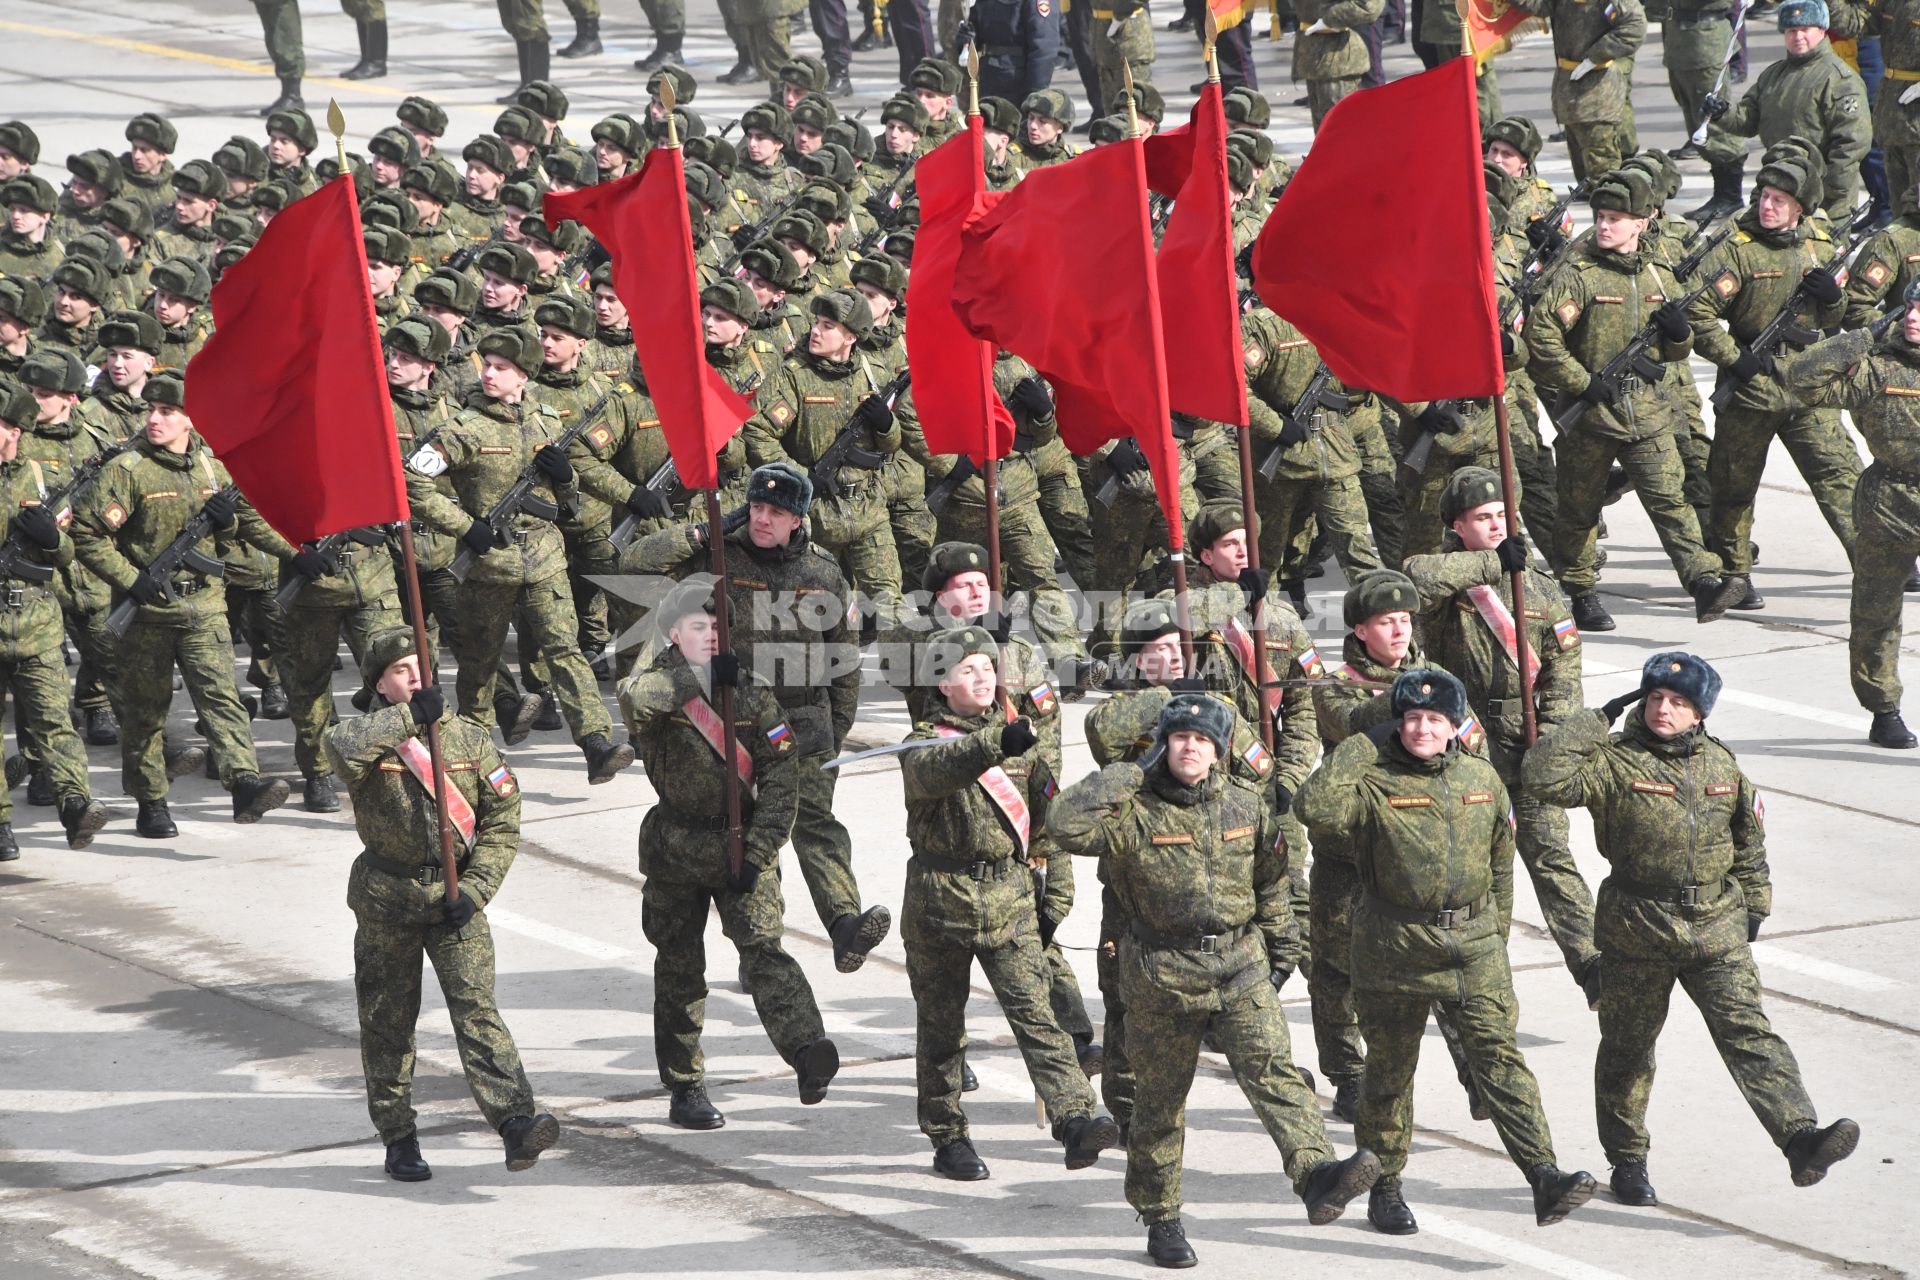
x=1190, y=756
x=1425, y=733
x=770, y=526
x=237, y=185
x=146, y=158
x=168, y=427
x=1511, y=162
x=723, y=328
x=807, y=139
x=1482, y=528
x=510, y=229
x=484, y=182
x=899, y=138
x=282, y=149
x=546, y=258
x=936, y=103
x=997, y=142
x=9, y=442
x=764, y=292
x=28, y=222
x=85, y=194
x=171, y=309
x=607, y=308
x=1803, y=40
x=1161, y=660
x=762, y=146
x=193, y=211
x=11, y=165
x=1387, y=636
x=399, y=682
x=966, y=595
x=53, y=406
x=521, y=150
x=500, y=293
x=969, y=687
x=128, y=365
x=428, y=209
x=382, y=276
x=608, y=157
x=1041, y=130
x=1668, y=714
x=385, y=172
x=72, y=308
x=12, y=329
x=696, y=637
x=877, y=302
x=1911, y=325
x=1778, y=210
x=801, y=254
x=791, y=93
x=446, y=317
x=1616, y=231
x=502, y=379
x=560, y=349
x=407, y=371
x=1227, y=556
x=829, y=339
x=426, y=140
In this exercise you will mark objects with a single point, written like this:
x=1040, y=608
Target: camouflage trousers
x=1886, y=510
x=1117, y=1083
x=1541, y=835
x=1596, y=148
x=1487, y=1023
x=1819, y=447
x=1339, y=506
x=1654, y=468
x=913, y=525
x=313, y=641
x=1063, y=508
x=1726, y=989
x=1334, y=893
x=280, y=20
x=1026, y=566
x=1533, y=462
x=261, y=623
x=1695, y=445
x=547, y=622
x=1322, y=94
x=1380, y=487
x=822, y=845
x=591, y=554
x=38, y=685
x=940, y=958
x=1174, y=999
x=386, y=986
x=525, y=20
x=147, y=656
x=667, y=18
x=1115, y=51
x=94, y=681
x=674, y=918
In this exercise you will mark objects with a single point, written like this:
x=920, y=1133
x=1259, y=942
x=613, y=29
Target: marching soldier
x=1680, y=827
x=400, y=907
x=1330, y=53
x=416, y=350
x=1593, y=46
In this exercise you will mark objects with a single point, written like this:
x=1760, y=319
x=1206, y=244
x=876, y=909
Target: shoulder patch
x=780, y=738
x=600, y=437
x=1726, y=284
x=1568, y=311
x=1566, y=633
x=1876, y=273
x=780, y=412
x=428, y=461
x=1043, y=697
x=1255, y=354
x=115, y=515
x=1256, y=757
x=503, y=782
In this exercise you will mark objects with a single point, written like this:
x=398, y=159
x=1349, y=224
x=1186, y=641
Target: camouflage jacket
x=611, y=353
x=1815, y=96
x=21, y=257
x=417, y=414
x=1280, y=362
x=197, y=243
x=1219, y=618
x=31, y=622
x=758, y=189
x=799, y=413
x=398, y=821
x=60, y=450
x=1879, y=276
x=1427, y=835
x=1338, y=52
x=112, y=412
x=366, y=578
x=1666, y=813
x=1751, y=276
x=1592, y=308
x=1879, y=382
x=182, y=342
x=569, y=395
x=1603, y=34
x=81, y=339
x=483, y=451
x=678, y=841
x=1019, y=483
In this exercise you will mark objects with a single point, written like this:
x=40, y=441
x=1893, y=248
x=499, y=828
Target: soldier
x=1431, y=926
x=400, y=908
x=1808, y=94
x=131, y=342
x=19, y=149
x=182, y=289
x=670, y=710
x=903, y=124
x=1887, y=264
x=765, y=180
x=1048, y=115
x=389, y=254
x=1680, y=827
x=520, y=576
x=810, y=660
x=1694, y=39
x=291, y=138
x=1873, y=379
x=1329, y=53
x=476, y=210
x=526, y=22
x=1597, y=302
x=23, y=308
x=1119, y=39
x=1019, y=44
x=1776, y=251
x=1592, y=46
x=79, y=289
x=281, y=21
x=26, y=247
x=506, y=276
x=147, y=161
x=430, y=188
x=1207, y=926
x=142, y=502
x=416, y=350
x=1000, y=123
x=187, y=231
x=94, y=178
x=449, y=297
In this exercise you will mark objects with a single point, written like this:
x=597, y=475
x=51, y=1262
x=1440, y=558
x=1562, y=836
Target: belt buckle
x=16, y=597
x=425, y=875
x=420, y=528
x=1689, y=895
x=1209, y=944
x=977, y=870
x=1444, y=919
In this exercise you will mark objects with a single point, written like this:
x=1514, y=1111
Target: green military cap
x=419, y=336
x=389, y=245
x=826, y=201
x=900, y=244
x=999, y=115
x=329, y=169
x=1214, y=521
x=516, y=343
x=240, y=157
x=815, y=112
x=23, y=298
x=618, y=130
x=1804, y=13
x=82, y=275
x=772, y=262
x=489, y=151
x=1382, y=591
x=517, y=124
x=1517, y=132
x=508, y=261
x=18, y=408
x=948, y=649
x=936, y=75
x=906, y=110
x=1246, y=108
x=1793, y=175
x=831, y=163
x=273, y=196
x=692, y=596
x=184, y=278
x=98, y=168
x=30, y=191
x=201, y=179
x=732, y=295
x=852, y=135
x=572, y=312
x=783, y=485
x=803, y=228
x=804, y=72
x=574, y=167
x=1196, y=713
x=769, y=118
x=1256, y=147
x=1148, y=103
x=1627, y=191
x=684, y=85
x=884, y=272
x=434, y=181
x=714, y=151
x=424, y=114
x=1144, y=622
x=524, y=196
x=295, y=124
x=98, y=246
x=1661, y=166
x=602, y=275
x=384, y=648
x=165, y=387
x=687, y=123
x=448, y=288
x=137, y=329
x=1425, y=689
x=389, y=209
x=564, y=238
x=395, y=145
x=1466, y=489
x=18, y=137
x=54, y=369
x=155, y=130
x=1239, y=170
x=128, y=216
x=226, y=256
x=1692, y=677
x=544, y=98
x=234, y=226
x=1050, y=104
x=844, y=307
x=948, y=561
x=703, y=184
x=1108, y=130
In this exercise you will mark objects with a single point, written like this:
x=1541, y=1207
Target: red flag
x=1206, y=371
x=1061, y=272
x=952, y=370
x=1493, y=26
x=1169, y=159
x=641, y=221
x=291, y=389
x=1395, y=304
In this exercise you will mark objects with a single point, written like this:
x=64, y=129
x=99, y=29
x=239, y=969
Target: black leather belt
x=994, y=869
x=704, y=821
x=420, y=874
x=1446, y=918
x=1205, y=943
x=1687, y=897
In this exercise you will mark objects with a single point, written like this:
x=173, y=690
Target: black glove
x=1672, y=319
x=1047, y=925
x=1017, y=738
x=1599, y=391
x=1443, y=418
x=221, y=507
x=1278, y=977
x=309, y=564
x=1282, y=797
x=743, y=236
x=1750, y=365
x=1030, y=397
x=1512, y=553
x=1507, y=347
x=459, y=913
x=1126, y=458
x=551, y=462
x=749, y=876
x=1715, y=106
x=1188, y=684
x=145, y=588
x=37, y=525
x=1821, y=286
x=1590, y=983
x=647, y=504
x=1002, y=628
x=1543, y=235
x=1292, y=432
x=726, y=670
x=1753, y=927
x=1614, y=706
x=428, y=705
x=1253, y=585
x=480, y=537
x=875, y=414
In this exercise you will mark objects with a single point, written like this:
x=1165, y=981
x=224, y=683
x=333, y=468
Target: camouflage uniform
x=1593, y=108
x=60, y=450
x=1120, y=37
x=1896, y=124
x=1693, y=42
x=362, y=599
x=394, y=890
x=1333, y=61
x=1129, y=538
x=1887, y=263
x=587, y=528
x=417, y=417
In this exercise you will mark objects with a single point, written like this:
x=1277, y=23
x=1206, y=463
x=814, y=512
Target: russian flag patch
x=1566, y=633
x=501, y=780
x=1256, y=757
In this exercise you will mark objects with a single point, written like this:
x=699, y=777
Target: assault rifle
x=183, y=552
x=846, y=451
x=520, y=495
x=1786, y=328
x=1631, y=361
x=332, y=549
x=1315, y=398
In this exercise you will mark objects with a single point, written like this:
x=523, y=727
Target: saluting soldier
x=1593, y=48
